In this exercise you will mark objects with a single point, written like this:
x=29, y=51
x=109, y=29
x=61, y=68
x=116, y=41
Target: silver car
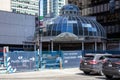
x=93, y=63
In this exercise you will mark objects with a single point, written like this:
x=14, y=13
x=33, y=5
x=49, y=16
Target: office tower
x=20, y=6
x=76, y=2
x=107, y=13
x=52, y=7
x=5, y=5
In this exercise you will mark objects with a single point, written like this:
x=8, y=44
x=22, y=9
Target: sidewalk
x=42, y=73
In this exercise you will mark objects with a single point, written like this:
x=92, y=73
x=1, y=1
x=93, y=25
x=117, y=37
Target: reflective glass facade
x=71, y=21
x=52, y=7
x=25, y=6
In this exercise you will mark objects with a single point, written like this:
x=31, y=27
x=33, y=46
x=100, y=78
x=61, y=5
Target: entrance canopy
x=66, y=36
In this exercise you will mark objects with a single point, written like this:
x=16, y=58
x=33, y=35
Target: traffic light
x=36, y=22
x=40, y=31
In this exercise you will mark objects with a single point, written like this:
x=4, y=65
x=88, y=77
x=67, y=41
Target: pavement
x=41, y=73
x=52, y=74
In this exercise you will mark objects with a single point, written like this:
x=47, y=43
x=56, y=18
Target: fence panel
x=49, y=59
x=71, y=59
x=22, y=61
x=101, y=52
x=1, y=58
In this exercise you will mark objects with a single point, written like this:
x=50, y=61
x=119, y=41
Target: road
x=56, y=74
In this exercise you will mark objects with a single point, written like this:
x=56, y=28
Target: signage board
x=71, y=59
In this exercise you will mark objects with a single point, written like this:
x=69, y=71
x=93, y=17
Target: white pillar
x=48, y=47
x=35, y=47
x=51, y=45
x=119, y=45
x=40, y=47
x=82, y=45
x=95, y=46
x=104, y=46
x=59, y=47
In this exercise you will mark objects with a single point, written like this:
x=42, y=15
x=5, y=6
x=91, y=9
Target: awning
x=66, y=36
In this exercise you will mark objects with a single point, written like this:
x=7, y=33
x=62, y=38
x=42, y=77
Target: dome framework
x=87, y=30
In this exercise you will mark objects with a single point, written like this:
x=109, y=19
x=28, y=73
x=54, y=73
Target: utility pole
x=39, y=37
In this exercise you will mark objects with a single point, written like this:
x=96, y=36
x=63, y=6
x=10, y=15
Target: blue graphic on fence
x=50, y=59
x=22, y=61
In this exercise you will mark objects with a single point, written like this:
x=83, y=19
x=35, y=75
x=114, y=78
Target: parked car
x=93, y=63
x=111, y=67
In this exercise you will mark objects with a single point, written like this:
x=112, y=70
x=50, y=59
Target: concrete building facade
x=16, y=29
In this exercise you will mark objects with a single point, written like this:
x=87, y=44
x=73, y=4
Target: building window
x=117, y=3
x=95, y=8
x=117, y=29
x=14, y=10
x=98, y=10
x=102, y=8
x=105, y=7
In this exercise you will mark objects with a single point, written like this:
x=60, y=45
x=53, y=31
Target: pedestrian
x=59, y=60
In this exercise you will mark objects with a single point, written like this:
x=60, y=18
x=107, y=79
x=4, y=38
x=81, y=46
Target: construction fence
x=19, y=61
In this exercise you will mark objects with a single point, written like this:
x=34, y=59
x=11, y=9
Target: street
x=52, y=74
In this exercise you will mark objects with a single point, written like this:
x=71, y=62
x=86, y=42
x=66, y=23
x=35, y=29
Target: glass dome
x=69, y=9
x=70, y=21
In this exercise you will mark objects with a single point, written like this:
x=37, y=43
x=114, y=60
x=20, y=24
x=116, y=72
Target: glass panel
x=85, y=31
x=73, y=18
x=99, y=29
x=59, y=25
x=89, y=29
x=69, y=18
x=80, y=29
x=49, y=30
x=58, y=29
x=95, y=27
x=95, y=33
x=75, y=29
x=90, y=33
x=54, y=30
x=70, y=27
x=64, y=27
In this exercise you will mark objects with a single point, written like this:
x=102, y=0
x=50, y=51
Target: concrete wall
x=16, y=28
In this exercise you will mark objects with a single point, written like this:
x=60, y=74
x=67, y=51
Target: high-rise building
x=76, y=2
x=107, y=13
x=52, y=7
x=20, y=6
x=5, y=5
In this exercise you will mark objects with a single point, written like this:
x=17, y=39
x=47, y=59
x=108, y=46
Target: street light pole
x=40, y=47
x=40, y=38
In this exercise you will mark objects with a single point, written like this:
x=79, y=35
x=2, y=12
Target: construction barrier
x=71, y=59
x=101, y=52
x=9, y=67
x=21, y=61
x=51, y=59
